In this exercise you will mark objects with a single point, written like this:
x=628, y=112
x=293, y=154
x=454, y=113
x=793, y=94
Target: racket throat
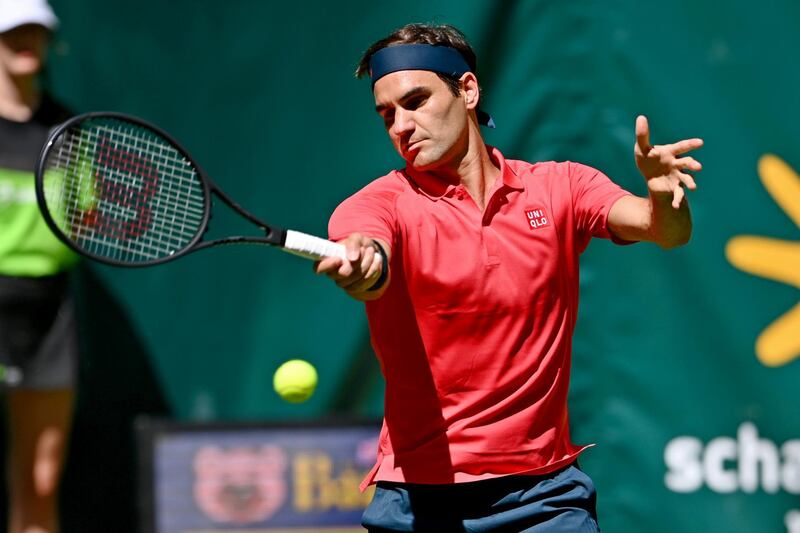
x=275, y=236
x=272, y=236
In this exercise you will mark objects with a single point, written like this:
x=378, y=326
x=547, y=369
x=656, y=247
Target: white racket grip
x=311, y=247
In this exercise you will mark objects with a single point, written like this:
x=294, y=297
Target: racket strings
x=121, y=191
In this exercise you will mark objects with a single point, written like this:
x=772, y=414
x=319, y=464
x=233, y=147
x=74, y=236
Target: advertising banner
x=221, y=479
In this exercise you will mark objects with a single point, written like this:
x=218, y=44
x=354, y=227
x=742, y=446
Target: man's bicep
x=629, y=218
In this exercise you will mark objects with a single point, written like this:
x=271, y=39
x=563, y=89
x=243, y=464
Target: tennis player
x=38, y=339
x=468, y=263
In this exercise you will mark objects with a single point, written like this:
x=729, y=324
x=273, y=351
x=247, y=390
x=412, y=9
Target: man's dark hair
x=441, y=35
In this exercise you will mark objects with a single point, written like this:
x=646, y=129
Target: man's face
x=23, y=49
x=425, y=121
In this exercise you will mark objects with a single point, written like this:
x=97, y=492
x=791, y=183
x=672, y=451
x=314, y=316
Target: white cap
x=15, y=13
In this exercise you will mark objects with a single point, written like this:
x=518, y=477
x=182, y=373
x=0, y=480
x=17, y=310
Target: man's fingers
x=686, y=145
x=374, y=270
x=368, y=275
x=353, y=246
x=677, y=197
x=346, y=269
x=335, y=268
x=327, y=265
x=688, y=163
x=351, y=273
x=359, y=270
x=643, y=134
x=367, y=256
x=355, y=276
x=687, y=180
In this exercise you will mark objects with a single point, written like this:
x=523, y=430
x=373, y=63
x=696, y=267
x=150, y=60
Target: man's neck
x=474, y=170
x=478, y=175
x=19, y=97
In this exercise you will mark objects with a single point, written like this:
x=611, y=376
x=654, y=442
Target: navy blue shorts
x=560, y=502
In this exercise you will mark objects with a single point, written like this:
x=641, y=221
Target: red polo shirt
x=474, y=332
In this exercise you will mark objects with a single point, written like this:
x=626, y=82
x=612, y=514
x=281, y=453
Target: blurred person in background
x=38, y=339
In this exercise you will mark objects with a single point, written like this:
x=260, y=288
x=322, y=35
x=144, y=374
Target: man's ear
x=470, y=90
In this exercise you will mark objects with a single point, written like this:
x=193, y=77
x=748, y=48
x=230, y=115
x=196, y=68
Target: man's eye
x=415, y=103
x=388, y=120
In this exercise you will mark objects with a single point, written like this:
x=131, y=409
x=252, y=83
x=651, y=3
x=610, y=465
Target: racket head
x=121, y=191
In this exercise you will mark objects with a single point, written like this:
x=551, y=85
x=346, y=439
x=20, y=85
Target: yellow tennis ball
x=295, y=380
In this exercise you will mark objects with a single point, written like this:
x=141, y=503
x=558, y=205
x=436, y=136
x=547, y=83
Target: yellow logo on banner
x=774, y=259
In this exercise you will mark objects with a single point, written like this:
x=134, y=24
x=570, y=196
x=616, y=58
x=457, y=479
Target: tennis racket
x=121, y=191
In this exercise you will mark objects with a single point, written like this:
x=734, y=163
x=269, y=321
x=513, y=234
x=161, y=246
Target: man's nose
x=403, y=122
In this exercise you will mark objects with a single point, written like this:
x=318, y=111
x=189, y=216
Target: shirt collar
x=434, y=188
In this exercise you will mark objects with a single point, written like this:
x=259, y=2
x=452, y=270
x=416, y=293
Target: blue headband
x=440, y=59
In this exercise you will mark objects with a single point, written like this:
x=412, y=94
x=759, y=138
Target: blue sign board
x=217, y=479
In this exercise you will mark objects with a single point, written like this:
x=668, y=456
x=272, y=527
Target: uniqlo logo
x=536, y=218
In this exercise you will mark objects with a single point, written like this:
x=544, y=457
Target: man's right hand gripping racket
x=123, y=192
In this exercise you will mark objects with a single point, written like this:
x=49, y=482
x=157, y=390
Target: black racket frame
x=274, y=236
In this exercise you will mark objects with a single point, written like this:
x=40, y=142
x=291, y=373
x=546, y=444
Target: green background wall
x=262, y=94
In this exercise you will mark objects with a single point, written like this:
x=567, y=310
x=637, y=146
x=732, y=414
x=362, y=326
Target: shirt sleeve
x=370, y=211
x=593, y=194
